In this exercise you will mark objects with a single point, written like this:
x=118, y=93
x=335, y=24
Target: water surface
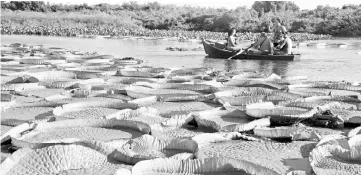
x=318, y=63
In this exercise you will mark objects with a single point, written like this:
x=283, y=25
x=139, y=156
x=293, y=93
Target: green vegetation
x=154, y=19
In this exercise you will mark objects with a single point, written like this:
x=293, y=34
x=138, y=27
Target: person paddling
x=263, y=46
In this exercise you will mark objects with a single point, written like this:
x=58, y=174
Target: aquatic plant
x=118, y=113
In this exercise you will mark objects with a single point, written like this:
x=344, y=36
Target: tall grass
x=69, y=19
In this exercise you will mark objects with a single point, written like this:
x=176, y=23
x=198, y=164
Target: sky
x=230, y=4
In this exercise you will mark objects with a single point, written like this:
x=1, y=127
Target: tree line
x=345, y=21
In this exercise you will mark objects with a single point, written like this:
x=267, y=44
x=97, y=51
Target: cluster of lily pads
x=10, y=29
x=67, y=112
x=184, y=49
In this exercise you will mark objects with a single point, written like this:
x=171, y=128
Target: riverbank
x=119, y=33
x=80, y=24
x=262, y=15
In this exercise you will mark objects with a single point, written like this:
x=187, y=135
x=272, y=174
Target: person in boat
x=263, y=46
x=231, y=41
x=267, y=28
x=278, y=30
x=285, y=46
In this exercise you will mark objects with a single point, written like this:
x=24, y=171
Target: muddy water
x=329, y=62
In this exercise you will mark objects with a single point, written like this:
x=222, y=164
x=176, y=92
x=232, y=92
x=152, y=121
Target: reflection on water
x=230, y=65
x=329, y=63
x=279, y=67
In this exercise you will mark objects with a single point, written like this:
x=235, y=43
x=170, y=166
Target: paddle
x=240, y=52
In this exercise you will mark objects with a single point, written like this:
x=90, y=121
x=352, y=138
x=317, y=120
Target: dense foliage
x=17, y=15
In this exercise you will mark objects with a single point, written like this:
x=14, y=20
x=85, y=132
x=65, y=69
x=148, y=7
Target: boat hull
x=214, y=52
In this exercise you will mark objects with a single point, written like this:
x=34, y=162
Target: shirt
x=264, y=44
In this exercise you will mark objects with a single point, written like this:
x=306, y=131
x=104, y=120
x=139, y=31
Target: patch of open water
x=318, y=63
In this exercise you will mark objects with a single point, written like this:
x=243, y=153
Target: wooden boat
x=216, y=50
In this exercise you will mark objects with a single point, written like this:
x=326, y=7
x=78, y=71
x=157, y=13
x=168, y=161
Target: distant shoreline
x=163, y=38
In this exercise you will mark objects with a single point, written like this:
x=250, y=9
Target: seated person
x=232, y=45
x=285, y=46
x=263, y=46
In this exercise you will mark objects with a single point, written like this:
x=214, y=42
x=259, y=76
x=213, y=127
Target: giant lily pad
x=337, y=158
x=80, y=130
x=79, y=158
x=148, y=147
x=280, y=157
x=207, y=166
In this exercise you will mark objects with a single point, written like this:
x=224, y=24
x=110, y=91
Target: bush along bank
x=260, y=17
x=8, y=29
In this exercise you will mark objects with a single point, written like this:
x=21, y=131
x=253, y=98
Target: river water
x=318, y=63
